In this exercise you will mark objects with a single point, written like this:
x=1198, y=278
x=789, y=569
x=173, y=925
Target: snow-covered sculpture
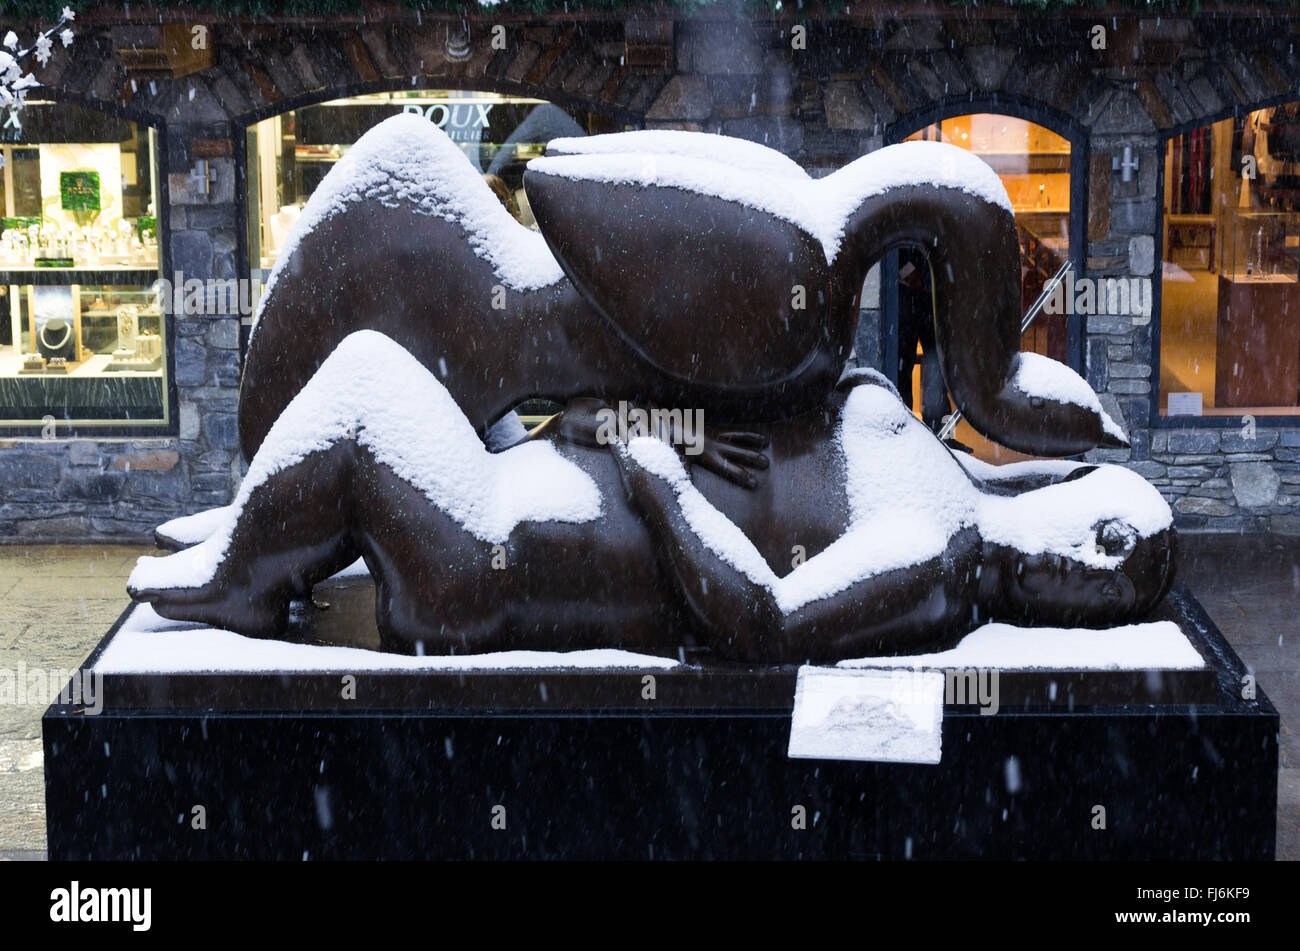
x=409, y=313
x=570, y=541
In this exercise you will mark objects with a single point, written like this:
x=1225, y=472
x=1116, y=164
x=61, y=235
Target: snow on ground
x=761, y=180
x=436, y=450
x=1151, y=645
x=407, y=160
x=147, y=643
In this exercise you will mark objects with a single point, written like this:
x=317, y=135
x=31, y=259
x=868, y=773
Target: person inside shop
x=916, y=327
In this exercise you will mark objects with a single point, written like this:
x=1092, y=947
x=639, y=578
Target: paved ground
x=1250, y=586
x=57, y=601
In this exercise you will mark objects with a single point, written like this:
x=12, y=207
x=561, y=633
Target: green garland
x=37, y=10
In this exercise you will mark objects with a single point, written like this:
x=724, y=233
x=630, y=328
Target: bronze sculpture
x=595, y=565
x=409, y=313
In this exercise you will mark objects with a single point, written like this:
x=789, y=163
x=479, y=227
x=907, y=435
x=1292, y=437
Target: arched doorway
x=1042, y=167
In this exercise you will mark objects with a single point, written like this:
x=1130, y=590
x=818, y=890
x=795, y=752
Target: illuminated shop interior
x=83, y=335
x=1033, y=163
x=1230, y=308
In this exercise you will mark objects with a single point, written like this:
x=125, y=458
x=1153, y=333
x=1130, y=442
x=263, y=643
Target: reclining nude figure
x=567, y=540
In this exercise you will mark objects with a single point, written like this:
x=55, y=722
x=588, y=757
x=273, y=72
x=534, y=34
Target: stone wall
x=824, y=91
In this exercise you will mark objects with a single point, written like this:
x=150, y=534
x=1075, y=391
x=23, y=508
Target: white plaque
x=1184, y=404
x=890, y=716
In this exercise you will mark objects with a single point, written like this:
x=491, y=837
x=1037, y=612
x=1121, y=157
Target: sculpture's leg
x=291, y=533
x=1022, y=401
x=436, y=590
x=749, y=616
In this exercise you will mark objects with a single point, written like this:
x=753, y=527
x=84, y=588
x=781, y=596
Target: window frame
x=1165, y=422
x=169, y=427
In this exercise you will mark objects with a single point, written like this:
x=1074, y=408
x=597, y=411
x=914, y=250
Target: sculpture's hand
x=733, y=454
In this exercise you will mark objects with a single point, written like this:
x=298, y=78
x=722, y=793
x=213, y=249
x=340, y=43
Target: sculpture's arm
x=752, y=614
x=732, y=607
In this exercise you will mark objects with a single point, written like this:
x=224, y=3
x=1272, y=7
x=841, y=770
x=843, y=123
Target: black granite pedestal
x=580, y=765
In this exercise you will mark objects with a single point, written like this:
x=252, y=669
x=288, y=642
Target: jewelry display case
x=82, y=331
x=92, y=352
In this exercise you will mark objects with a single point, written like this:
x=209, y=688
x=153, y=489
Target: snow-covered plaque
x=873, y=715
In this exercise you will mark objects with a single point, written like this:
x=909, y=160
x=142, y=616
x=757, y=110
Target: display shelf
x=109, y=275
x=1260, y=244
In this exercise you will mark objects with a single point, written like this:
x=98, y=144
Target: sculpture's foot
x=184, y=588
x=212, y=604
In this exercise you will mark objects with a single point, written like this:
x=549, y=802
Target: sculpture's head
x=1054, y=590
x=1095, y=549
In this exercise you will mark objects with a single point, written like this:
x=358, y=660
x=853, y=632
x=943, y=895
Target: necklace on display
x=67, y=332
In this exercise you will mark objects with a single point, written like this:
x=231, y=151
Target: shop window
x=83, y=339
x=1230, y=283
x=1033, y=163
x=290, y=153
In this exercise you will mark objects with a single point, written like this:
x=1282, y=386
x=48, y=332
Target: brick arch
x=559, y=63
x=1019, y=107
x=1049, y=117
x=1177, y=100
x=477, y=84
x=1238, y=109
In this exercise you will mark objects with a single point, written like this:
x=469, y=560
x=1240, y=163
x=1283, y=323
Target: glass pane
x=82, y=335
x=1230, y=283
